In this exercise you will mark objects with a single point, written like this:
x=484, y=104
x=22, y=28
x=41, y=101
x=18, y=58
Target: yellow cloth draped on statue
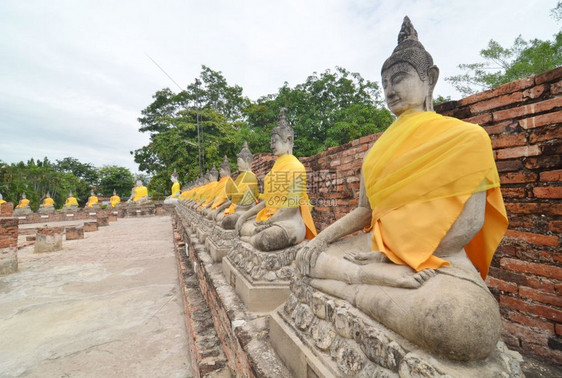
x=2, y=201
x=188, y=194
x=24, y=202
x=220, y=194
x=114, y=200
x=176, y=189
x=285, y=186
x=418, y=176
x=71, y=201
x=92, y=200
x=243, y=191
x=140, y=192
x=208, y=194
x=48, y=202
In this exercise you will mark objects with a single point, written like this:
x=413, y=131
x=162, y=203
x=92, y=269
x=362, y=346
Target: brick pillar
x=48, y=239
x=7, y=209
x=8, y=245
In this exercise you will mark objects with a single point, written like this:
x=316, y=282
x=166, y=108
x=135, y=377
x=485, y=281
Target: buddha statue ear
x=432, y=76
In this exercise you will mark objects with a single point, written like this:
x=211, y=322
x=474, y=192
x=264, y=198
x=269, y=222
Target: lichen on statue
x=242, y=193
x=283, y=219
x=430, y=198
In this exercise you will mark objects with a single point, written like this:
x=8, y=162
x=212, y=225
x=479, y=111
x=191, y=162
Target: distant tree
x=84, y=171
x=441, y=100
x=116, y=178
x=503, y=65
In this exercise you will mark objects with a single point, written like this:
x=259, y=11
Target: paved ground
x=105, y=306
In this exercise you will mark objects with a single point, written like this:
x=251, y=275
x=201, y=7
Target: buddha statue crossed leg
x=430, y=198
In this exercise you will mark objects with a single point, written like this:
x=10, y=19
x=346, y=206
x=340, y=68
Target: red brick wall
x=523, y=119
x=8, y=232
x=6, y=209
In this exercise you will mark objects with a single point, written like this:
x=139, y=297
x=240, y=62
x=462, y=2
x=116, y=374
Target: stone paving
x=108, y=305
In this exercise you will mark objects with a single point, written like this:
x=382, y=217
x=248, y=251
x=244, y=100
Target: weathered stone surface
x=73, y=233
x=48, y=239
x=90, y=226
x=8, y=260
x=103, y=220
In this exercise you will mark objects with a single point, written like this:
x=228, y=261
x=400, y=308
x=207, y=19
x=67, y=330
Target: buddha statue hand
x=261, y=226
x=363, y=258
x=307, y=256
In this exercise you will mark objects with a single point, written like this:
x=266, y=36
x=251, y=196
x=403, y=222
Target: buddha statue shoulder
x=283, y=219
x=243, y=193
x=430, y=199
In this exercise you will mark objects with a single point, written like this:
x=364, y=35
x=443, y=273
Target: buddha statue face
x=409, y=75
x=404, y=89
x=139, y=183
x=281, y=146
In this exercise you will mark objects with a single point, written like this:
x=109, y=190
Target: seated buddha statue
x=71, y=203
x=139, y=193
x=284, y=218
x=242, y=194
x=24, y=202
x=188, y=193
x=218, y=197
x=92, y=201
x=430, y=198
x=48, y=201
x=2, y=199
x=175, y=195
x=206, y=189
x=114, y=200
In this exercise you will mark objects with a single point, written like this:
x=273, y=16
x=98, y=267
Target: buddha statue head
x=245, y=158
x=213, y=174
x=282, y=136
x=23, y=196
x=70, y=193
x=92, y=192
x=409, y=75
x=174, y=176
x=114, y=192
x=48, y=195
x=224, y=168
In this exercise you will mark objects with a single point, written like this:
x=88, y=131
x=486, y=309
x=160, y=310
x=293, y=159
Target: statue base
x=220, y=242
x=22, y=210
x=46, y=210
x=261, y=279
x=140, y=209
x=93, y=207
x=316, y=334
x=72, y=208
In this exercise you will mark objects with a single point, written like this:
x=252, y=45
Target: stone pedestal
x=22, y=211
x=319, y=335
x=140, y=209
x=112, y=217
x=46, y=210
x=48, y=239
x=103, y=220
x=219, y=242
x=8, y=245
x=90, y=226
x=73, y=233
x=261, y=279
x=71, y=208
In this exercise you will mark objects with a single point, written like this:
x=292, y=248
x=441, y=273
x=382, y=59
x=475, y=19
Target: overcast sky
x=74, y=75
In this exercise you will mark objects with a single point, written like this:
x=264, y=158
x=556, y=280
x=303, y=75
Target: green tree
x=503, y=65
x=113, y=177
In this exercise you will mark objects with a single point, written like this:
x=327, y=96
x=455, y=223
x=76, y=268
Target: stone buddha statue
x=430, y=199
x=2, y=199
x=114, y=200
x=175, y=195
x=23, y=206
x=139, y=193
x=242, y=194
x=284, y=218
x=206, y=189
x=71, y=203
x=219, y=195
x=48, y=205
x=92, y=201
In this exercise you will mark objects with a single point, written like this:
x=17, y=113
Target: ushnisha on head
x=225, y=167
x=245, y=158
x=409, y=75
x=282, y=136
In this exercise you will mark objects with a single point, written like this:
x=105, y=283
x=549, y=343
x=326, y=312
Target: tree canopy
x=328, y=109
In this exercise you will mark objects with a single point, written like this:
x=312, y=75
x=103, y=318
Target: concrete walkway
x=105, y=306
